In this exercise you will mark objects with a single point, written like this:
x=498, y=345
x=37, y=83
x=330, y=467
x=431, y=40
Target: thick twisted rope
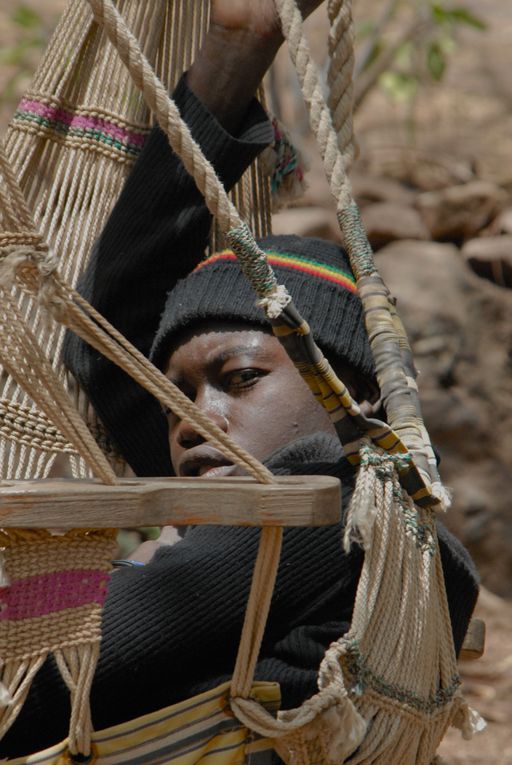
x=320, y=116
x=181, y=141
x=328, y=721
x=339, y=77
x=14, y=203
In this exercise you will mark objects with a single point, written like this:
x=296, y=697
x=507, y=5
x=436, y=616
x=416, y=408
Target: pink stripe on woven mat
x=49, y=593
x=54, y=114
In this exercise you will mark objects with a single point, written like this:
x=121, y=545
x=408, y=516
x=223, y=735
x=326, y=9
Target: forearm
x=227, y=91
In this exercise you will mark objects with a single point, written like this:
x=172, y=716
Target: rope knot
x=275, y=301
x=385, y=464
x=252, y=260
x=31, y=264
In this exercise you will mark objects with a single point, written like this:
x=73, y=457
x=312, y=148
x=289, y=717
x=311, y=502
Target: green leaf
x=439, y=15
x=447, y=44
x=404, y=54
x=459, y=15
x=364, y=29
x=25, y=16
x=16, y=54
x=436, y=61
x=399, y=85
x=464, y=16
x=375, y=52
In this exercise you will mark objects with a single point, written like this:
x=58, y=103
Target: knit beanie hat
x=318, y=276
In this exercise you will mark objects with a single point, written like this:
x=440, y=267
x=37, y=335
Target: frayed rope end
x=468, y=721
x=5, y=696
x=275, y=301
x=443, y=495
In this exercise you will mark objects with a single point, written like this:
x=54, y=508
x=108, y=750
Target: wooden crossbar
x=473, y=646
x=233, y=501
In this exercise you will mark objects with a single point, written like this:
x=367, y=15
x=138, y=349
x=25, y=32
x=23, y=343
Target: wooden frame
x=234, y=501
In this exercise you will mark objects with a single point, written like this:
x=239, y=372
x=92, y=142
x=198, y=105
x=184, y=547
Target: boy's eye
x=243, y=378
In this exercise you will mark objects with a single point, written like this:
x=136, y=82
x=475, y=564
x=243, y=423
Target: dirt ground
x=467, y=121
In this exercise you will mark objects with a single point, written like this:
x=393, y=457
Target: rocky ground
x=439, y=214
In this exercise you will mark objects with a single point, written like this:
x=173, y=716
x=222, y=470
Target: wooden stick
x=473, y=646
x=231, y=501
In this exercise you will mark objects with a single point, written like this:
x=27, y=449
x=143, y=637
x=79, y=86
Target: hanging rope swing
x=389, y=688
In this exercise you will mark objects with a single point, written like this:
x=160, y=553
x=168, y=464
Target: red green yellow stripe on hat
x=294, y=262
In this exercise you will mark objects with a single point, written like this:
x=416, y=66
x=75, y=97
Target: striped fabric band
x=198, y=731
x=94, y=128
x=294, y=262
x=48, y=593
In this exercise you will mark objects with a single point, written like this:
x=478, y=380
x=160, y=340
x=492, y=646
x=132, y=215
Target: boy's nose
x=188, y=435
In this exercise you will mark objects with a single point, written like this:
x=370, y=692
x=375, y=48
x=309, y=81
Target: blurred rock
x=491, y=257
x=487, y=687
x=386, y=222
x=420, y=169
x=452, y=416
x=371, y=188
x=502, y=224
x=461, y=334
x=457, y=213
x=307, y=221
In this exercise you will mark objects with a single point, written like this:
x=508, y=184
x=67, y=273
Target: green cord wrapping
x=362, y=678
x=273, y=297
x=252, y=260
x=357, y=244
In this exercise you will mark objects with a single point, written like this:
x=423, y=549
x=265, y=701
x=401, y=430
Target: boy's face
x=242, y=378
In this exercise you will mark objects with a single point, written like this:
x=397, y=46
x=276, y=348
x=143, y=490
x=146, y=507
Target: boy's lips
x=216, y=472
x=204, y=461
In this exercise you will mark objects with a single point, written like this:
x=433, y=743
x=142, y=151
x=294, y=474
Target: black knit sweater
x=171, y=628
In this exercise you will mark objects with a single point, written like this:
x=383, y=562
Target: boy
x=171, y=628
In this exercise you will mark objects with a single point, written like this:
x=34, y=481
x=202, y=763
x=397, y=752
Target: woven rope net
x=396, y=667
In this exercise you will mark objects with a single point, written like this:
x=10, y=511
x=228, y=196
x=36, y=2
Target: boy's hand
x=257, y=16
x=243, y=38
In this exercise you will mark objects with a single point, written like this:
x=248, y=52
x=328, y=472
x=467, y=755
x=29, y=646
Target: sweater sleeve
x=155, y=235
